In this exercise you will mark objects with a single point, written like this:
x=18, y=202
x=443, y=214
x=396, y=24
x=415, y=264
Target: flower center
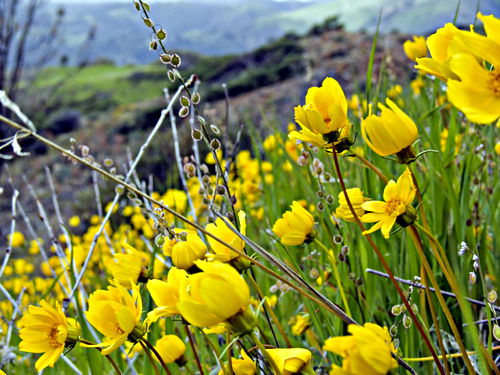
x=494, y=82
x=56, y=336
x=395, y=207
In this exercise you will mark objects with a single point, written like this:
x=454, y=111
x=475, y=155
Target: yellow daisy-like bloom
x=391, y=132
x=214, y=295
x=242, y=366
x=74, y=221
x=17, y=239
x=165, y=294
x=116, y=314
x=415, y=48
x=477, y=92
x=357, y=199
x=441, y=48
x=295, y=227
x=290, y=361
x=324, y=116
x=130, y=266
x=46, y=329
x=300, y=324
x=367, y=351
x=185, y=253
x=171, y=348
x=220, y=230
x=398, y=197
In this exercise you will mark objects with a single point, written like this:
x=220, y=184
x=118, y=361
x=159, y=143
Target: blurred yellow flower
x=291, y=361
x=357, y=199
x=116, y=314
x=323, y=115
x=17, y=239
x=46, y=329
x=391, y=132
x=74, y=221
x=220, y=230
x=394, y=91
x=129, y=267
x=242, y=366
x=367, y=351
x=398, y=197
x=415, y=48
x=171, y=348
x=295, y=227
x=300, y=323
x=214, y=295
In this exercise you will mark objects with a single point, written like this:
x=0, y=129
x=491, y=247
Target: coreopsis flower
x=242, y=366
x=129, y=267
x=171, y=349
x=324, y=116
x=165, y=294
x=215, y=295
x=116, y=314
x=398, y=197
x=46, y=329
x=441, y=48
x=415, y=48
x=220, y=230
x=393, y=132
x=291, y=361
x=367, y=351
x=357, y=199
x=296, y=226
x=476, y=92
x=186, y=252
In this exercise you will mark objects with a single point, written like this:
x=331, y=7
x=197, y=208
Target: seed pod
x=196, y=135
x=215, y=144
x=214, y=129
x=396, y=310
x=184, y=112
x=148, y=22
x=184, y=100
x=159, y=240
x=196, y=98
x=166, y=58
x=176, y=60
x=153, y=45
x=171, y=76
x=161, y=34
x=407, y=322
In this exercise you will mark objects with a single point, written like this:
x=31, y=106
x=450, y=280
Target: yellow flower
x=171, y=348
x=185, y=253
x=116, y=314
x=243, y=366
x=130, y=266
x=366, y=351
x=295, y=227
x=324, y=114
x=290, y=361
x=356, y=197
x=300, y=324
x=46, y=329
x=441, y=48
x=415, y=48
x=417, y=85
x=17, y=239
x=165, y=294
x=214, y=295
x=394, y=91
x=477, y=91
x=391, y=132
x=220, y=230
x=398, y=197
x=74, y=221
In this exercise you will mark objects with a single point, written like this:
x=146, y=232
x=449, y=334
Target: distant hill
x=222, y=27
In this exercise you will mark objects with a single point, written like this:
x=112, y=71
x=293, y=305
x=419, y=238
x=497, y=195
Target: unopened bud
x=161, y=34
x=196, y=135
x=148, y=22
x=215, y=144
x=184, y=112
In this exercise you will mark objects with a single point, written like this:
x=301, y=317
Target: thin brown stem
x=110, y=360
x=157, y=355
x=150, y=357
x=386, y=266
x=193, y=348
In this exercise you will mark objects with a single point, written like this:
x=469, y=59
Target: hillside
x=239, y=26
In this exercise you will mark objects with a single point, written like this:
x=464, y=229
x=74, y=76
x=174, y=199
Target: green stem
x=157, y=355
x=262, y=348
